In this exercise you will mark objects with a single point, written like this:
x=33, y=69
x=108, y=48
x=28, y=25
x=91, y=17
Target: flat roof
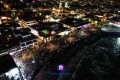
x=115, y=19
x=4, y=42
x=6, y=63
x=9, y=25
x=52, y=26
x=75, y=22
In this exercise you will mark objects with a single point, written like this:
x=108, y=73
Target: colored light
x=61, y=67
x=45, y=32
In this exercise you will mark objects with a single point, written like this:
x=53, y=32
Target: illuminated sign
x=84, y=26
x=61, y=67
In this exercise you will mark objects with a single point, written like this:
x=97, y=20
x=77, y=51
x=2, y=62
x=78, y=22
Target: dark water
x=102, y=61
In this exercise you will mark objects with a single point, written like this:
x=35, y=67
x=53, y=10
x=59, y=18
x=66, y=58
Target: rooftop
x=4, y=66
x=7, y=39
x=115, y=19
x=75, y=22
x=9, y=25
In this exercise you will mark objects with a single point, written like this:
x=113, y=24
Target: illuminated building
x=9, y=69
x=104, y=18
x=60, y=5
x=115, y=21
x=77, y=23
x=4, y=19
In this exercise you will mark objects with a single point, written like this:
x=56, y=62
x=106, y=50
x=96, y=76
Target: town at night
x=59, y=40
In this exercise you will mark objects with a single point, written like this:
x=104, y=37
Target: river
x=102, y=61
